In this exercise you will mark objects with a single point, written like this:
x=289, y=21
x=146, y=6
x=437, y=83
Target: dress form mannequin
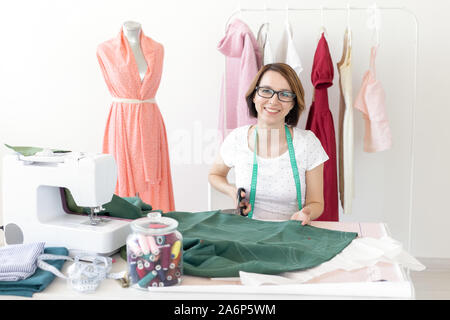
x=132, y=31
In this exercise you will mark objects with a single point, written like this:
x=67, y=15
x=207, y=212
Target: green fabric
x=31, y=151
x=118, y=207
x=216, y=244
x=38, y=281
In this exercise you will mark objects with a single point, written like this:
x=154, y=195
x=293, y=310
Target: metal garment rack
x=349, y=8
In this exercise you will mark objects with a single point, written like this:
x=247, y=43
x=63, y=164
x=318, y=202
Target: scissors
x=239, y=199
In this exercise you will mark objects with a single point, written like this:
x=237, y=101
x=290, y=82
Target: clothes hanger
x=287, y=13
x=349, y=29
x=374, y=22
x=266, y=20
x=237, y=11
x=265, y=25
x=287, y=22
x=377, y=25
x=322, y=29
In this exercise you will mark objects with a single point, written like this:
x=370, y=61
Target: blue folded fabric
x=38, y=281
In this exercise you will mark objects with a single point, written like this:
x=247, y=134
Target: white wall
x=53, y=94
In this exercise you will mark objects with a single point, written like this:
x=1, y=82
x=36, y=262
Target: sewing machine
x=34, y=206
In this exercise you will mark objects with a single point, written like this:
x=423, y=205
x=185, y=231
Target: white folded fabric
x=360, y=253
x=18, y=261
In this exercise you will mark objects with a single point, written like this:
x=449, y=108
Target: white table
x=334, y=285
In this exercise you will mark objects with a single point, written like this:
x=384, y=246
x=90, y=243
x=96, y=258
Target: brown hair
x=290, y=75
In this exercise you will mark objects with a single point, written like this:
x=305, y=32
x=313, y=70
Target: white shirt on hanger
x=264, y=44
x=287, y=52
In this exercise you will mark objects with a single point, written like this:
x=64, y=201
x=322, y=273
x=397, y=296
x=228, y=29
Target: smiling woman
x=279, y=166
x=285, y=77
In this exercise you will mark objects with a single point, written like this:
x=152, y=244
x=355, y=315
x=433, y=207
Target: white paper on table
x=360, y=253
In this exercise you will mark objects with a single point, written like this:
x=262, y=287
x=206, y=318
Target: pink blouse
x=371, y=102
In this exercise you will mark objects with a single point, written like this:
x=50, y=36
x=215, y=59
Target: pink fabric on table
x=242, y=62
x=381, y=270
x=371, y=102
x=135, y=133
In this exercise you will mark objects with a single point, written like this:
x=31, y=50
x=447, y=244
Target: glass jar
x=154, y=252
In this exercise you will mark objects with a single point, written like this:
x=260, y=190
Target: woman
x=276, y=99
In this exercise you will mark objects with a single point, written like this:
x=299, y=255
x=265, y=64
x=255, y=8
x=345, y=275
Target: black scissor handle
x=239, y=198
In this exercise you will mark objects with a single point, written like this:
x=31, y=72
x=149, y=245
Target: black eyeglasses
x=285, y=96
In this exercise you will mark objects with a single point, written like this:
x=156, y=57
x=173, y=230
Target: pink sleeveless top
x=371, y=102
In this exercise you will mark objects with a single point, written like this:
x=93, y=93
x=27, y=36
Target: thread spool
x=165, y=256
x=146, y=280
x=154, y=282
x=142, y=240
x=152, y=244
x=170, y=282
x=173, y=273
x=149, y=266
x=175, y=262
x=160, y=240
x=154, y=258
x=170, y=274
x=147, y=256
x=132, y=258
x=132, y=268
x=133, y=246
x=176, y=247
x=161, y=274
x=140, y=269
x=171, y=238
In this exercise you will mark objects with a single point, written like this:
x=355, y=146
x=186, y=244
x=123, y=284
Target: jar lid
x=154, y=224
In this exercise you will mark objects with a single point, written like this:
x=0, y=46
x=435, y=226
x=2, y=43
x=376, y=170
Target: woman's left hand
x=304, y=215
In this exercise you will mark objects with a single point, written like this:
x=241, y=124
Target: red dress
x=320, y=121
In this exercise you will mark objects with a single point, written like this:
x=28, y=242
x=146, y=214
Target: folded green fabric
x=31, y=151
x=216, y=244
x=118, y=207
x=38, y=281
x=220, y=245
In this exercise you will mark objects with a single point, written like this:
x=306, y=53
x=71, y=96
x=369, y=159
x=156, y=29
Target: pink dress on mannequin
x=135, y=133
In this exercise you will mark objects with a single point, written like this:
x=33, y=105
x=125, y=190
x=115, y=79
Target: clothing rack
x=320, y=9
x=349, y=8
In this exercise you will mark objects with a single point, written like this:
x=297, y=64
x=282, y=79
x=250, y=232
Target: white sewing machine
x=34, y=207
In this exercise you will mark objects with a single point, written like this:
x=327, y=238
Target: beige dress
x=346, y=126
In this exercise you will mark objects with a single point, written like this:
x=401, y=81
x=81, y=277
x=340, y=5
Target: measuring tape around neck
x=293, y=165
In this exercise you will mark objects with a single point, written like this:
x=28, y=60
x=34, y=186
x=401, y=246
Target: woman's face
x=272, y=111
